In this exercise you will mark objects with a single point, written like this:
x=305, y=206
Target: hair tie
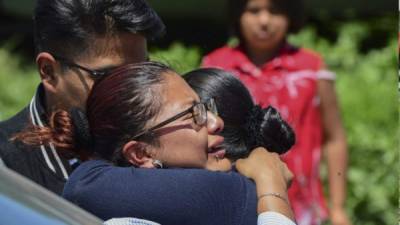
x=81, y=129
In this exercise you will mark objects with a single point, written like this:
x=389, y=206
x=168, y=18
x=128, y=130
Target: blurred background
x=358, y=39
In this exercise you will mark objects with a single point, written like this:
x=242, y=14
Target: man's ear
x=47, y=66
x=135, y=152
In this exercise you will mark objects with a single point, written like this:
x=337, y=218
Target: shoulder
x=221, y=57
x=9, y=127
x=125, y=190
x=147, y=182
x=17, y=156
x=222, y=51
x=103, y=171
x=15, y=123
x=308, y=59
x=310, y=55
x=89, y=173
x=189, y=194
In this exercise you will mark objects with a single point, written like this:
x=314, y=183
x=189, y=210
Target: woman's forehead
x=176, y=95
x=176, y=88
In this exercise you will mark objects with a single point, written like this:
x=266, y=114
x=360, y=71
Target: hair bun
x=253, y=121
x=81, y=128
x=266, y=128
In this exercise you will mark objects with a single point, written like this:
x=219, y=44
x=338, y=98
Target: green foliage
x=367, y=91
x=177, y=56
x=17, y=84
x=366, y=88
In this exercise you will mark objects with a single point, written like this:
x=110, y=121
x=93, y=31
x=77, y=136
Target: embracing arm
x=272, y=177
x=335, y=148
x=165, y=196
x=170, y=196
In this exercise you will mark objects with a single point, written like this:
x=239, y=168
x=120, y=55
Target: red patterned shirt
x=289, y=83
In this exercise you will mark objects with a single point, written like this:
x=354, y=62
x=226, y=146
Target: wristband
x=274, y=194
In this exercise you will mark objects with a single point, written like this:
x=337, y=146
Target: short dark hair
x=68, y=27
x=247, y=125
x=293, y=9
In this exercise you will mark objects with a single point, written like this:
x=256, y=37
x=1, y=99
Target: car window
x=24, y=202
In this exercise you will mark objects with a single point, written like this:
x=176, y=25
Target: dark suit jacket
x=41, y=166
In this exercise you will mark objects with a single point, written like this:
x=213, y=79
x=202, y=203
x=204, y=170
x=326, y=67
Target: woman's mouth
x=218, y=152
x=215, y=148
x=263, y=35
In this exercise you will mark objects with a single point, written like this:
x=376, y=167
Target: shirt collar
x=285, y=60
x=39, y=100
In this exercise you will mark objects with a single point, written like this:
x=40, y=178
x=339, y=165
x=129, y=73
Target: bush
x=177, y=56
x=17, y=83
x=367, y=91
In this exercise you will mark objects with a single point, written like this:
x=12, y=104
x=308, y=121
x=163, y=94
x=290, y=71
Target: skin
x=214, y=139
x=181, y=143
x=271, y=175
x=69, y=88
x=264, y=31
x=223, y=165
x=335, y=147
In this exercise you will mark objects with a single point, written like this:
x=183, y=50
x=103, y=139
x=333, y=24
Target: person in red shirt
x=295, y=81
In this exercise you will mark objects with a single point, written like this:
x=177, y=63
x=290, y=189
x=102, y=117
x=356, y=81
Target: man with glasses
x=76, y=42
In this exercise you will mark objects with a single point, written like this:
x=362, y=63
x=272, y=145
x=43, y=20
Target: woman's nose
x=264, y=17
x=214, y=123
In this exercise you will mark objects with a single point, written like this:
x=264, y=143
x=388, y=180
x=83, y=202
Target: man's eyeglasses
x=198, y=110
x=94, y=73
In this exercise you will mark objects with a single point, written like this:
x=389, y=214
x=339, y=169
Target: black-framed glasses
x=94, y=73
x=199, y=111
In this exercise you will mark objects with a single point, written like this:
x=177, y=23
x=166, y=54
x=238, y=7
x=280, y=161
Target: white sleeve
x=128, y=221
x=273, y=218
x=325, y=75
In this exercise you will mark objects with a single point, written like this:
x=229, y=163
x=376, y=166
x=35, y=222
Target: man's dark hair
x=293, y=9
x=69, y=27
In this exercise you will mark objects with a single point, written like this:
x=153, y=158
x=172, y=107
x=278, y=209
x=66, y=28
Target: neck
x=52, y=103
x=48, y=103
x=261, y=56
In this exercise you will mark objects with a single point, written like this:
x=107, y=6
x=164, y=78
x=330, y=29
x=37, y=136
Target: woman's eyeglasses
x=198, y=110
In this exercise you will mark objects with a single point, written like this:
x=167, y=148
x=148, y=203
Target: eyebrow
x=107, y=68
x=192, y=102
x=188, y=104
x=112, y=67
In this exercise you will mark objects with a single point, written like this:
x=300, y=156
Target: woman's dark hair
x=118, y=108
x=293, y=9
x=246, y=125
x=68, y=27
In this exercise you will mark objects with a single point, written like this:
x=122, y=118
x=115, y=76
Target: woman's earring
x=157, y=164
